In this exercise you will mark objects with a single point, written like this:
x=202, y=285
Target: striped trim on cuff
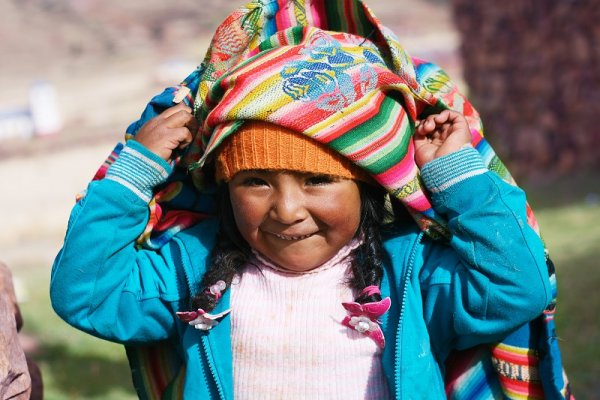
x=139, y=170
x=446, y=171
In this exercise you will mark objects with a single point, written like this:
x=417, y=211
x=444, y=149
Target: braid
x=367, y=260
x=228, y=257
x=231, y=251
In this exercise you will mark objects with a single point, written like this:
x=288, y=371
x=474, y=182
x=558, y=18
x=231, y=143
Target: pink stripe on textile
x=316, y=16
x=417, y=202
x=246, y=80
x=217, y=134
x=475, y=137
x=282, y=18
x=382, y=142
x=350, y=120
x=402, y=172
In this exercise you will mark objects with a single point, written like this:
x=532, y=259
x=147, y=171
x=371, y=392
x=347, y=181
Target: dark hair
x=231, y=251
x=230, y=254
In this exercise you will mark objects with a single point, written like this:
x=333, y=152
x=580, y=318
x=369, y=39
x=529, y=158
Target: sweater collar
x=342, y=256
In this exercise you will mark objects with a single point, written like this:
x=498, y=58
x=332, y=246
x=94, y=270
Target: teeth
x=291, y=237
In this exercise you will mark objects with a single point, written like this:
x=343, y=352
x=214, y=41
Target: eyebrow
x=305, y=173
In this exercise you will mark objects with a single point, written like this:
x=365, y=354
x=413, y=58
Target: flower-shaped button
x=363, y=318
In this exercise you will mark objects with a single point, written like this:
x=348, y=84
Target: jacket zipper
x=406, y=280
x=204, y=338
x=211, y=367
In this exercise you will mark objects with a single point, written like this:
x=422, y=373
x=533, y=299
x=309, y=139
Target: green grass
x=568, y=211
x=77, y=366
x=74, y=365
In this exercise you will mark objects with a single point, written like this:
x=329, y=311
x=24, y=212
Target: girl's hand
x=440, y=134
x=173, y=129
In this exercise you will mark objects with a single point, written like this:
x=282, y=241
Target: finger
x=180, y=119
x=444, y=130
x=175, y=109
x=427, y=126
x=420, y=140
x=193, y=125
x=420, y=130
x=183, y=136
x=443, y=117
x=450, y=116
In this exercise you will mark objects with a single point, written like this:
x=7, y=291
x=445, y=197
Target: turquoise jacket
x=488, y=280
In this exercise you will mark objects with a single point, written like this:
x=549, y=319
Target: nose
x=288, y=205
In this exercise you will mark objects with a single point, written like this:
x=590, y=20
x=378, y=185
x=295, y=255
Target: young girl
x=309, y=282
x=300, y=234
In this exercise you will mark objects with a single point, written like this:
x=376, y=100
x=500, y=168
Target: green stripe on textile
x=356, y=11
x=293, y=35
x=336, y=19
x=498, y=167
x=368, y=131
x=379, y=125
x=365, y=27
x=251, y=21
x=353, y=137
x=391, y=158
x=297, y=35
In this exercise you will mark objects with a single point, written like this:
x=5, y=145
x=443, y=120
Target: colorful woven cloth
x=328, y=69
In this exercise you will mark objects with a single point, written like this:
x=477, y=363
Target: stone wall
x=533, y=71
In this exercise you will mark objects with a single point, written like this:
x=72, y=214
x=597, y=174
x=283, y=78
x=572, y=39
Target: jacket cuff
x=139, y=170
x=446, y=171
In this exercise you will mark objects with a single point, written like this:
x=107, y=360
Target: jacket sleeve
x=492, y=277
x=101, y=282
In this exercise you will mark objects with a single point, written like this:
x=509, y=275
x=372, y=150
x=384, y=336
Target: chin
x=300, y=265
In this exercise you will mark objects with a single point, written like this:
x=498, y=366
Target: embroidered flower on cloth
x=364, y=317
x=201, y=319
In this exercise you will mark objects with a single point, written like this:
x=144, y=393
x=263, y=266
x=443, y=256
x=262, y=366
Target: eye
x=253, y=181
x=318, y=180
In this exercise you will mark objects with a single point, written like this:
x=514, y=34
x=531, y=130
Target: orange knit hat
x=262, y=145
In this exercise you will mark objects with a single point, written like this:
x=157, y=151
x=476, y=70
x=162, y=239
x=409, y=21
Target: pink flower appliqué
x=201, y=319
x=364, y=318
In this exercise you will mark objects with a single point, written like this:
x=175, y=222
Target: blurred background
x=75, y=73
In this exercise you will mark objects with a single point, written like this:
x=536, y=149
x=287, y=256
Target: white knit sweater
x=288, y=341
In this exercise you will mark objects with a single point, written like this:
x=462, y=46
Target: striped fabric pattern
x=272, y=33
x=518, y=378
x=158, y=372
x=458, y=166
x=471, y=375
x=336, y=89
x=139, y=177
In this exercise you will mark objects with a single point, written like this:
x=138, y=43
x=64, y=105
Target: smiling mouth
x=291, y=238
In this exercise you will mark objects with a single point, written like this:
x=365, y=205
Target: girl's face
x=297, y=220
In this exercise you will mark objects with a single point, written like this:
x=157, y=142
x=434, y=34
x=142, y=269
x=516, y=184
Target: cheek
x=352, y=218
x=343, y=213
x=243, y=213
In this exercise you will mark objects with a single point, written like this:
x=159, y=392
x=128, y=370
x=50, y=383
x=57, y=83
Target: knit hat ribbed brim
x=259, y=145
